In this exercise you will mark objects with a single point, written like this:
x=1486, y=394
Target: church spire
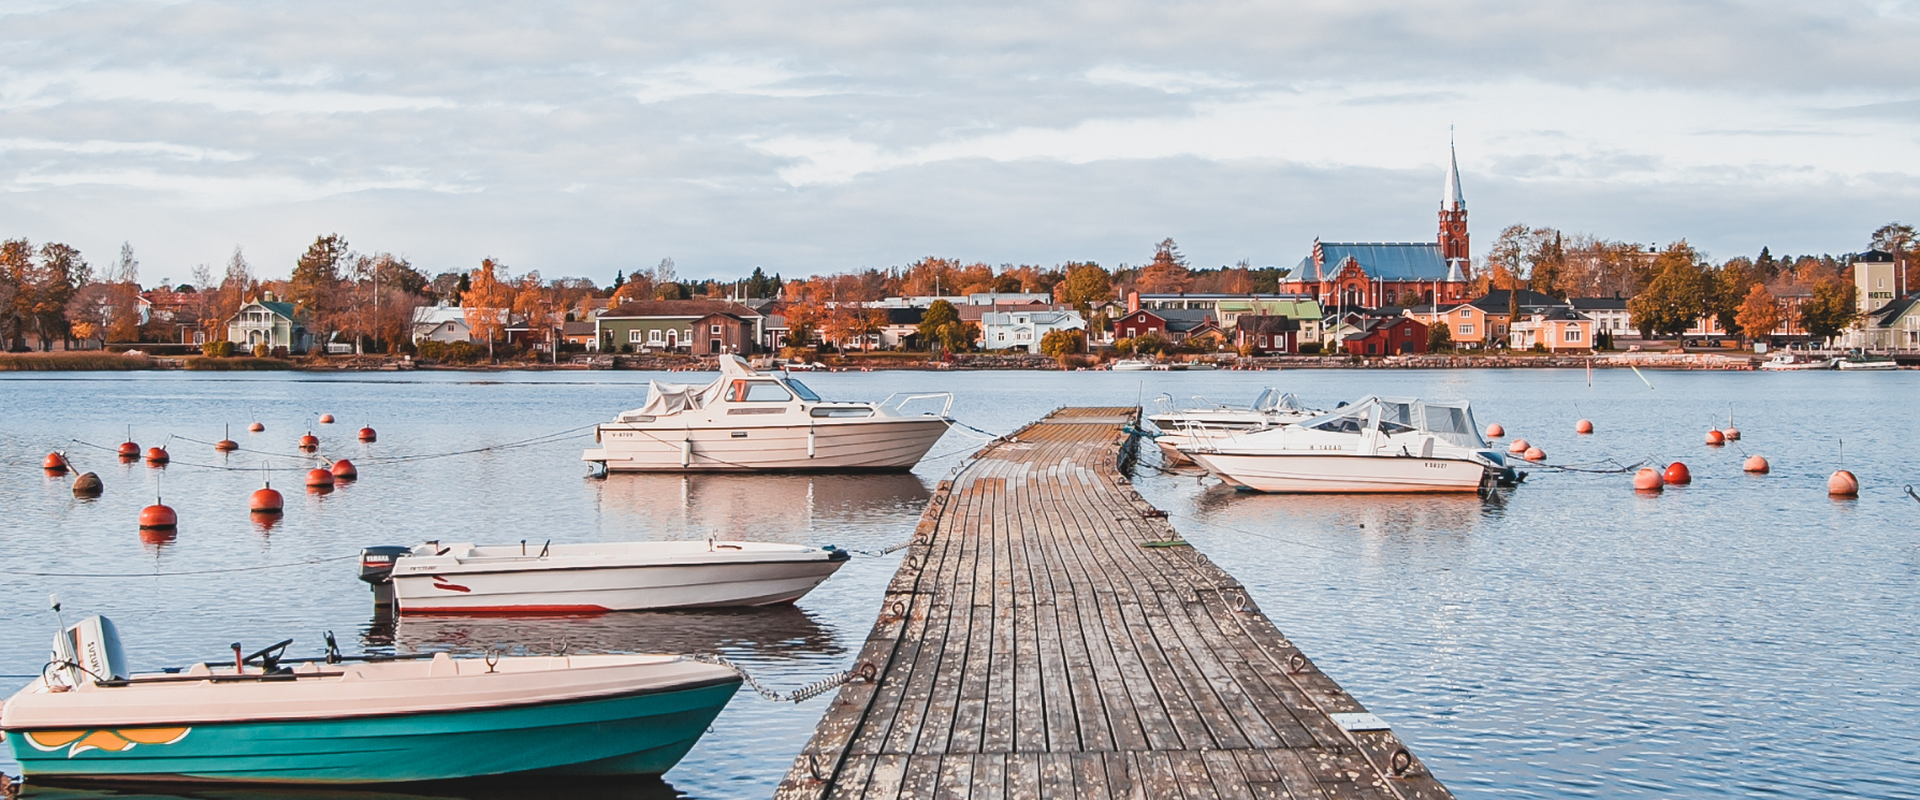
x=1451, y=199
x=1453, y=218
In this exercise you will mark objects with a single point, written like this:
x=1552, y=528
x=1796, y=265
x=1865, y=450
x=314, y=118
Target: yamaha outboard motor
x=376, y=568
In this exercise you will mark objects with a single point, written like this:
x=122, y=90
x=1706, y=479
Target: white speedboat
x=267, y=719
x=748, y=421
x=1202, y=420
x=1131, y=365
x=1375, y=445
x=1867, y=363
x=591, y=578
x=1788, y=360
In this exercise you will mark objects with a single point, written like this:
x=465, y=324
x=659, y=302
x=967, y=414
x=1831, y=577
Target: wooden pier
x=1049, y=635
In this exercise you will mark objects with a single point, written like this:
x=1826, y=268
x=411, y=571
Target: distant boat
x=1202, y=420
x=595, y=577
x=748, y=421
x=1131, y=365
x=1378, y=444
x=1867, y=363
x=1788, y=360
x=265, y=719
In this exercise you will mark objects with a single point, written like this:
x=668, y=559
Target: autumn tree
x=486, y=301
x=1899, y=240
x=1676, y=298
x=1726, y=291
x=1086, y=286
x=1168, y=272
x=16, y=271
x=1759, y=313
x=1063, y=343
x=316, y=287
x=57, y=274
x=1831, y=309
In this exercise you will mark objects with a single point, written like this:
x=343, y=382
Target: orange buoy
x=367, y=435
x=266, y=500
x=256, y=427
x=326, y=419
x=55, y=464
x=87, y=485
x=1494, y=431
x=1716, y=438
x=1757, y=465
x=317, y=478
x=1535, y=454
x=157, y=455
x=226, y=445
x=343, y=470
x=1648, y=480
x=129, y=451
x=309, y=442
x=1843, y=484
x=1678, y=474
x=1518, y=446
x=158, y=517
x=1583, y=426
x=1732, y=434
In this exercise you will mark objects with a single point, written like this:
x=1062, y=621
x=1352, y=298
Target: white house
x=441, y=323
x=1006, y=330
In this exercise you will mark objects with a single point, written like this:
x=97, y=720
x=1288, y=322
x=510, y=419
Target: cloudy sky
x=584, y=138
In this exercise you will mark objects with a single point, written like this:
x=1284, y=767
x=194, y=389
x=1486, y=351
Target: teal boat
x=337, y=721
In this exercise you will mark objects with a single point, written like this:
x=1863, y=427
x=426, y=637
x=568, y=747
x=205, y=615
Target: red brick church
x=1375, y=274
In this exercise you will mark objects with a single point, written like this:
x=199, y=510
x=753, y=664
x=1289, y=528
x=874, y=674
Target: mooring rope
x=220, y=571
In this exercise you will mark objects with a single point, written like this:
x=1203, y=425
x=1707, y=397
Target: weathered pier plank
x=1035, y=644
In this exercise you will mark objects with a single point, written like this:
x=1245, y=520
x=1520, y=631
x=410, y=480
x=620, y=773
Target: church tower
x=1453, y=219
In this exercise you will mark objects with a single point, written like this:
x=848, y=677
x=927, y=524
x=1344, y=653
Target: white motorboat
x=1867, y=363
x=1789, y=360
x=1375, y=445
x=436, y=578
x=748, y=421
x=1202, y=420
x=267, y=719
x=1131, y=365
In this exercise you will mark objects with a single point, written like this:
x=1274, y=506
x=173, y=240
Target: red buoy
x=1843, y=484
x=1716, y=438
x=226, y=445
x=343, y=470
x=1732, y=434
x=309, y=442
x=1518, y=446
x=319, y=478
x=1757, y=465
x=129, y=451
x=87, y=485
x=1648, y=480
x=1678, y=474
x=157, y=455
x=55, y=464
x=158, y=517
x=326, y=419
x=266, y=500
x=367, y=435
x=1583, y=426
x=1535, y=454
x=1494, y=431
x=256, y=427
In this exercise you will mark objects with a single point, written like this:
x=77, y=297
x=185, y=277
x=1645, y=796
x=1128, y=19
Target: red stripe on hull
x=506, y=611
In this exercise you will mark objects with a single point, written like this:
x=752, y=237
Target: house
x=1271, y=334
x=1554, y=329
x=1894, y=326
x=669, y=325
x=1386, y=336
x=903, y=328
x=1139, y=323
x=1483, y=321
x=1609, y=314
x=579, y=333
x=1373, y=274
x=1006, y=330
x=722, y=333
x=1228, y=308
x=441, y=323
x=1009, y=299
x=266, y=321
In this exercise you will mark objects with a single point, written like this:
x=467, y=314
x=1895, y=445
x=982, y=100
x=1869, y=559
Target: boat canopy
x=664, y=399
x=1273, y=399
x=1448, y=420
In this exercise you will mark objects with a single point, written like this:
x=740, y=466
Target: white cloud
x=98, y=147
x=297, y=95
x=723, y=76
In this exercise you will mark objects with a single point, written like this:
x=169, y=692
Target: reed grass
x=237, y=364
x=72, y=362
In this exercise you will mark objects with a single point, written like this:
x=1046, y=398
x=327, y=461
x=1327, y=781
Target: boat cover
x=664, y=399
x=1448, y=420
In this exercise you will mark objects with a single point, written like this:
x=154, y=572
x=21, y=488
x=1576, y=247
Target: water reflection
x=772, y=632
x=1391, y=514
x=515, y=788
x=749, y=507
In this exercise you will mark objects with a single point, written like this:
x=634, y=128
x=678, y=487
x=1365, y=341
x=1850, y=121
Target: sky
x=583, y=138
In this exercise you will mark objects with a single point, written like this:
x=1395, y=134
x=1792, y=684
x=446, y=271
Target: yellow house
x=1554, y=329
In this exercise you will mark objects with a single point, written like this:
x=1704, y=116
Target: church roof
x=1450, y=198
x=1393, y=261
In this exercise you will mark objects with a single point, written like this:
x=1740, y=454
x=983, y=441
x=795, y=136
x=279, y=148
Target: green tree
x=1831, y=309
x=1063, y=343
x=1086, y=285
x=943, y=327
x=1439, y=337
x=1676, y=298
x=316, y=287
x=1727, y=289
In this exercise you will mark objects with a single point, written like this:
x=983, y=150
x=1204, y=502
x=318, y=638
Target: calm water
x=1742, y=636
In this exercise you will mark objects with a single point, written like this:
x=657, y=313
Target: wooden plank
x=989, y=780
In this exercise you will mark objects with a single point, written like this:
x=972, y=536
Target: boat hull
x=1318, y=473
x=636, y=734
x=876, y=445
x=613, y=588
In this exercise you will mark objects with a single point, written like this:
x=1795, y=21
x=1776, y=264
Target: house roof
x=906, y=316
x=578, y=328
x=1180, y=320
x=1599, y=303
x=281, y=309
x=1885, y=316
x=1393, y=261
x=1496, y=300
x=688, y=309
x=1261, y=323
x=1375, y=325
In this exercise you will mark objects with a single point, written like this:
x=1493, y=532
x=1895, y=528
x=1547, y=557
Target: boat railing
x=899, y=406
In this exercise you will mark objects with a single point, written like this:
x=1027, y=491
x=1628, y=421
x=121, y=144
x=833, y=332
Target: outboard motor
x=88, y=650
x=376, y=568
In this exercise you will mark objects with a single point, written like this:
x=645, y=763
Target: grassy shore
x=237, y=364
x=72, y=362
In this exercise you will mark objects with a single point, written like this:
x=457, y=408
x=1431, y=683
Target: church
x=1375, y=274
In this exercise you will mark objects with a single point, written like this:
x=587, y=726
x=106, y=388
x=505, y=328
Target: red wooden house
x=1386, y=337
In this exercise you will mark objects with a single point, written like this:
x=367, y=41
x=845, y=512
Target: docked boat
x=1202, y=420
x=1378, y=444
x=592, y=578
x=1867, y=362
x=1787, y=360
x=749, y=421
x=264, y=719
x=1131, y=365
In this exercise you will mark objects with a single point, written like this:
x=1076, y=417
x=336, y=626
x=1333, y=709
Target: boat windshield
x=802, y=390
x=1451, y=421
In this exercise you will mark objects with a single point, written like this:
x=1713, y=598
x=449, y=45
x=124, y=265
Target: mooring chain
x=889, y=550
x=864, y=672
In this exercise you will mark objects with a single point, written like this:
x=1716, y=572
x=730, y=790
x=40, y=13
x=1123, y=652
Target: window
x=687, y=336
x=802, y=390
x=633, y=336
x=1573, y=334
x=767, y=392
x=715, y=330
x=1466, y=329
x=653, y=336
x=1466, y=313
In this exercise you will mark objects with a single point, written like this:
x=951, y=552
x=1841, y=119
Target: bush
x=261, y=351
x=1310, y=348
x=219, y=349
x=237, y=364
x=450, y=352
